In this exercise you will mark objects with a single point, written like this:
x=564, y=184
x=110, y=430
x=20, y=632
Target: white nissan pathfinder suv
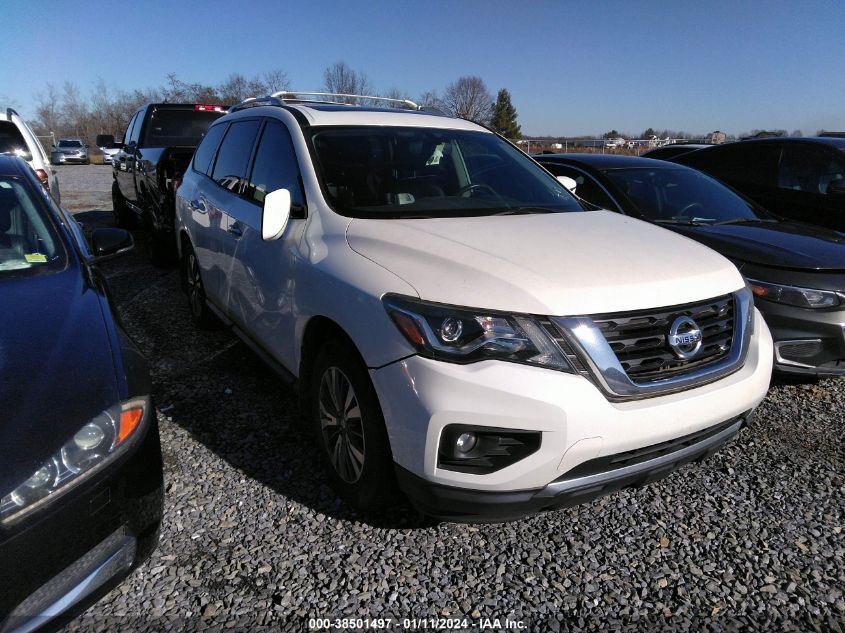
x=459, y=326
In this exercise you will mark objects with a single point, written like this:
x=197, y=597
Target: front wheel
x=349, y=426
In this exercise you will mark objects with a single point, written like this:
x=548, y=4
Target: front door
x=261, y=283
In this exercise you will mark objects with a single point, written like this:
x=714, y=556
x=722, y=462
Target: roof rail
x=288, y=95
x=254, y=102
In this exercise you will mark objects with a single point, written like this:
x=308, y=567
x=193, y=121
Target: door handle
x=196, y=205
x=235, y=230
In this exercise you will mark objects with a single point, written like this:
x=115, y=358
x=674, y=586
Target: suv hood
x=56, y=368
x=551, y=264
x=790, y=245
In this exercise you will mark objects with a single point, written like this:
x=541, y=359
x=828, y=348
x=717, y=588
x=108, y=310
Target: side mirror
x=568, y=182
x=108, y=242
x=276, y=214
x=836, y=187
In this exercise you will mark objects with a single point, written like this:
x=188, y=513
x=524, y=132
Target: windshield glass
x=65, y=143
x=28, y=242
x=393, y=172
x=664, y=195
x=171, y=127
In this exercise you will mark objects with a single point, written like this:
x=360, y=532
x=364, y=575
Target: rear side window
x=755, y=163
x=232, y=159
x=809, y=169
x=275, y=166
x=204, y=155
x=11, y=139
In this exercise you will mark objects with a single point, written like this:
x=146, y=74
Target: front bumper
x=65, y=158
x=590, y=480
x=806, y=341
x=420, y=397
x=58, y=561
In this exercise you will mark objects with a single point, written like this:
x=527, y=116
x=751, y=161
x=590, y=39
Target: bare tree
x=468, y=98
x=340, y=78
x=276, y=80
x=430, y=99
x=48, y=111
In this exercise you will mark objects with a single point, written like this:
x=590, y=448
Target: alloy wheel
x=341, y=425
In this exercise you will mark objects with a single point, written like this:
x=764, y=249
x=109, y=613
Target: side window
x=136, y=128
x=587, y=189
x=204, y=155
x=128, y=134
x=233, y=157
x=808, y=169
x=275, y=166
x=755, y=163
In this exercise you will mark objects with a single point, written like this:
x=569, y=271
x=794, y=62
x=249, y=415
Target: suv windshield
x=65, y=143
x=683, y=196
x=168, y=127
x=399, y=172
x=28, y=242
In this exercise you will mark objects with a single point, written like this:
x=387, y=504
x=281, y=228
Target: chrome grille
x=639, y=339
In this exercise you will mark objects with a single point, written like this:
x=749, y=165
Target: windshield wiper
x=690, y=222
x=747, y=221
x=525, y=211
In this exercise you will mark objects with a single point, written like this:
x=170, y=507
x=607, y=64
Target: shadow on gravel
x=211, y=385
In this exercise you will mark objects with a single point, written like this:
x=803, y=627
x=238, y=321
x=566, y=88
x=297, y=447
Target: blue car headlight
x=94, y=445
x=795, y=296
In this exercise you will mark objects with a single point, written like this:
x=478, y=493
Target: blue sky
x=572, y=68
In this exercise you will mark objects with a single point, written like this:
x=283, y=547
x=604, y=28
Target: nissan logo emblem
x=684, y=338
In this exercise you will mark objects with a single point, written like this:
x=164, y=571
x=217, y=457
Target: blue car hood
x=56, y=368
x=791, y=245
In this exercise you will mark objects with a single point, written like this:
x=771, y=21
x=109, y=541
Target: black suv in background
x=157, y=147
x=799, y=178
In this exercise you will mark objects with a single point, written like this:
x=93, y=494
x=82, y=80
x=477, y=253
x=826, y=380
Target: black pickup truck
x=157, y=148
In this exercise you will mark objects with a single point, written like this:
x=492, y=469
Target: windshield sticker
x=36, y=258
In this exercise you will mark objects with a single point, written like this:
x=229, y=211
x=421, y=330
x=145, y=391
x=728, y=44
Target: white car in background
x=459, y=326
x=17, y=138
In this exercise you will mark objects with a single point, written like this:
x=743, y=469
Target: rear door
x=225, y=203
x=195, y=208
x=261, y=282
x=804, y=173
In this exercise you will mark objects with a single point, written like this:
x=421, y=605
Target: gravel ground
x=253, y=538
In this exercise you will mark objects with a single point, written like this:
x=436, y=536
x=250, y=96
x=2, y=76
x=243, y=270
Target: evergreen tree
x=503, y=120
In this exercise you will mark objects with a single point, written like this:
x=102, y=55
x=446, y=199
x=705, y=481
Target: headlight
x=794, y=296
x=465, y=335
x=93, y=445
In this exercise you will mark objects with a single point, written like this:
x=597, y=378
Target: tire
x=201, y=315
x=353, y=442
x=161, y=251
x=123, y=217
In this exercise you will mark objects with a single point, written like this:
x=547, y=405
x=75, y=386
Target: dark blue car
x=80, y=459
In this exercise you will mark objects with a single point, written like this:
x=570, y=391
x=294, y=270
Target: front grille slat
x=640, y=339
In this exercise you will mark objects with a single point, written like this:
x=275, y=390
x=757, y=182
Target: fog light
x=466, y=442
